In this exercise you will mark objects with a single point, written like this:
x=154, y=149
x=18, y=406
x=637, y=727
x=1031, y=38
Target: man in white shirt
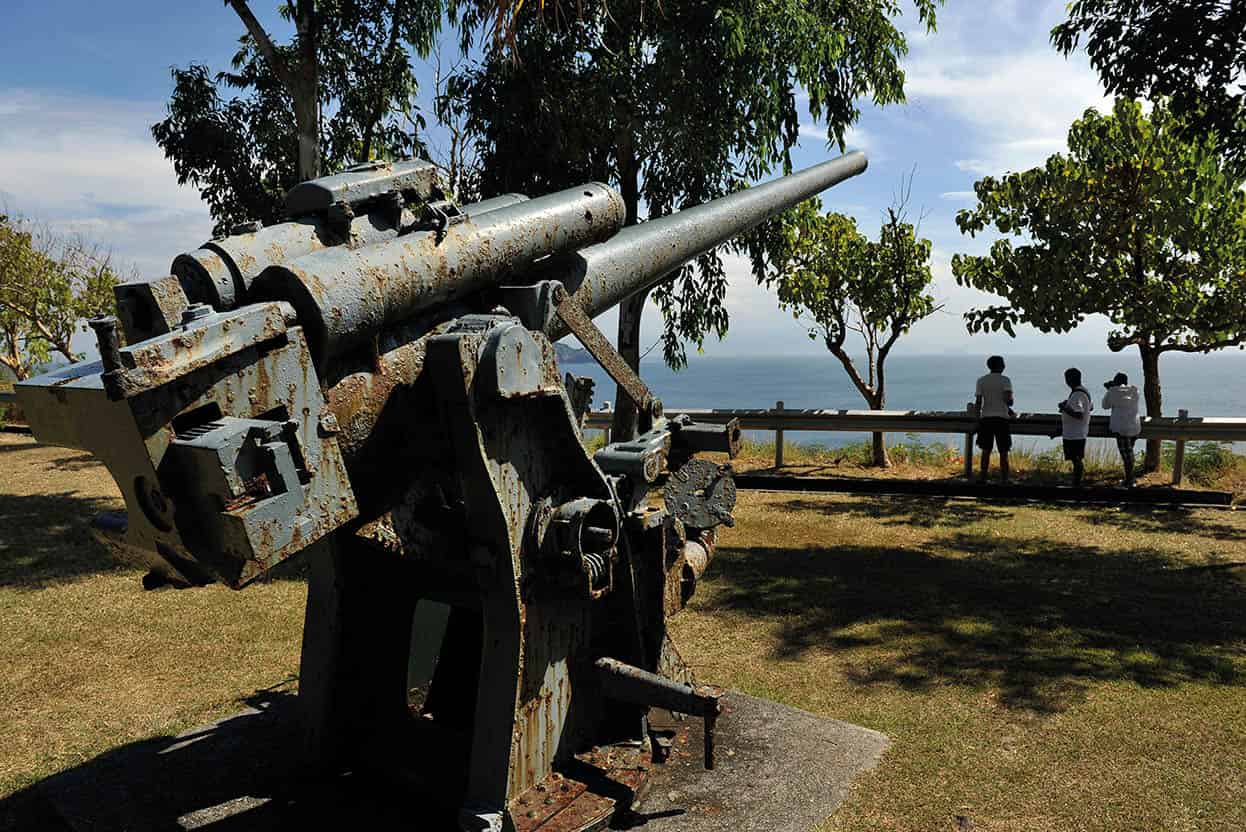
x=1122, y=399
x=993, y=402
x=1075, y=423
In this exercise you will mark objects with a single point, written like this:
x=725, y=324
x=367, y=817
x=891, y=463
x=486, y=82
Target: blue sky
x=81, y=82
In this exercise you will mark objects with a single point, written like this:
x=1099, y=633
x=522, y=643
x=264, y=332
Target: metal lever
x=626, y=683
x=608, y=357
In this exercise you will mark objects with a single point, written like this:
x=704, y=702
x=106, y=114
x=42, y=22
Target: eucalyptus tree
x=1142, y=221
x=838, y=282
x=341, y=90
x=675, y=102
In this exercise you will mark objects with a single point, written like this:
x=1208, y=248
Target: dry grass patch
x=1036, y=669
x=92, y=661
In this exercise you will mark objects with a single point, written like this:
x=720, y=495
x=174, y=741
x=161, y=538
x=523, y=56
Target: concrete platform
x=778, y=768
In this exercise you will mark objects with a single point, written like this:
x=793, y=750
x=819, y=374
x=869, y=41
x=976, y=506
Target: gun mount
x=373, y=383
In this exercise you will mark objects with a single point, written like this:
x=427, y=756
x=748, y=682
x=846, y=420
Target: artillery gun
x=372, y=382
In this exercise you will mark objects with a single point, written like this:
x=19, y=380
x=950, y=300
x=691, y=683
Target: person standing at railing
x=993, y=402
x=1075, y=423
x=1122, y=398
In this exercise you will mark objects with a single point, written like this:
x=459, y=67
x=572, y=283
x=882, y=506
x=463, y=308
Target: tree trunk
x=1154, y=400
x=626, y=419
x=307, y=126
x=305, y=90
x=881, y=458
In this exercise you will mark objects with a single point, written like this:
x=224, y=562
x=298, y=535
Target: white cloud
x=1018, y=101
x=958, y=196
x=88, y=165
x=855, y=138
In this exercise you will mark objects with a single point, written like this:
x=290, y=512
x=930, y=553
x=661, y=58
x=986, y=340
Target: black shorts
x=994, y=431
x=1074, y=449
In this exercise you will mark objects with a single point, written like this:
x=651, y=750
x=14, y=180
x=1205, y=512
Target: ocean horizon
x=1205, y=385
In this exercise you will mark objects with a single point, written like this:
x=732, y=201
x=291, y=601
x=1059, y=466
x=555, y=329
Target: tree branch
x=262, y=41
x=1214, y=345
x=844, y=358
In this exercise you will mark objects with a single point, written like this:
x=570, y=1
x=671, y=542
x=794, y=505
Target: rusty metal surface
x=701, y=494
x=604, y=352
x=148, y=308
x=349, y=379
x=363, y=182
x=598, y=786
x=158, y=361
x=345, y=296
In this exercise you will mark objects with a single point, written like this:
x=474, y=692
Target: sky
x=81, y=83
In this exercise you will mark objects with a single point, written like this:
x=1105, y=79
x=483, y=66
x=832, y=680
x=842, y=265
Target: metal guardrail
x=1180, y=429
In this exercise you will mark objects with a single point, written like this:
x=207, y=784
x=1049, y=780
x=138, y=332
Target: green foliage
x=48, y=286
x=916, y=451
x=1205, y=463
x=828, y=274
x=344, y=84
x=1140, y=221
x=675, y=102
x=1192, y=51
x=831, y=275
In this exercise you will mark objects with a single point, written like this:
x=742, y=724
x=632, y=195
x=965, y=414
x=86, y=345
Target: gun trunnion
x=373, y=382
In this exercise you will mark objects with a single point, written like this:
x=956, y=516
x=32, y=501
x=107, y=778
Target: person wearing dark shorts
x=1075, y=423
x=993, y=403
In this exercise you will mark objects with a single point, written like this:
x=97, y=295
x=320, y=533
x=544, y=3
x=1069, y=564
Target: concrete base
x=777, y=768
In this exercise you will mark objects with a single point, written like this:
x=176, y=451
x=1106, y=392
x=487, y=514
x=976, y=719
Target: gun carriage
x=372, y=382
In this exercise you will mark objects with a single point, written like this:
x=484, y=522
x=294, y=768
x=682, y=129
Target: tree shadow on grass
x=1036, y=619
x=926, y=512
x=1210, y=523
x=46, y=538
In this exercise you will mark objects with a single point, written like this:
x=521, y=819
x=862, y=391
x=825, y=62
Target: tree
x=48, y=286
x=341, y=91
x=675, y=102
x=1141, y=221
x=1190, y=51
x=836, y=281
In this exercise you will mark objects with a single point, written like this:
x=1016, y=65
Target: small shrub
x=1205, y=462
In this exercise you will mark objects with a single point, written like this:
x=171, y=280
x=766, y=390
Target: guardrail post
x=971, y=411
x=1178, y=458
x=778, y=441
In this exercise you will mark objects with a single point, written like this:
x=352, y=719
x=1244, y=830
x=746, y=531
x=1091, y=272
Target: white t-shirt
x=1123, y=402
x=993, y=388
x=1078, y=402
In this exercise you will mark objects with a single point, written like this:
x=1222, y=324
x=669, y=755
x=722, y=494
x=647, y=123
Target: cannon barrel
x=345, y=296
x=639, y=256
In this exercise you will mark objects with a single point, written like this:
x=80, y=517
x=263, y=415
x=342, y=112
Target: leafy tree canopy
x=48, y=286
x=340, y=91
x=839, y=282
x=675, y=102
x=1141, y=221
x=1190, y=51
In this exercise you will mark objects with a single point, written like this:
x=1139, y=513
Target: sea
x=1205, y=385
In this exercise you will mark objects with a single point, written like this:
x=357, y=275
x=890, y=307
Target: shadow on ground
x=903, y=511
x=1037, y=619
x=46, y=538
x=241, y=773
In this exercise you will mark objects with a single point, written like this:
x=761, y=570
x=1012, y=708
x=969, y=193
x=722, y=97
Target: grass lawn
x=1036, y=669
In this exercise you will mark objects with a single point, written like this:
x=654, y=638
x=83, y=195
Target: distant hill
x=568, y=354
